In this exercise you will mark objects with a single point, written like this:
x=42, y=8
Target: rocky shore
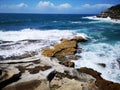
x=54, y=70
x=112, y=12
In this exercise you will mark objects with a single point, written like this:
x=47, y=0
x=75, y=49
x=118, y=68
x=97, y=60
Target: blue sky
x=56, y=6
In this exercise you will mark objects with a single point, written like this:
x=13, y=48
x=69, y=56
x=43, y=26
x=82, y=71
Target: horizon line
x=49, y=13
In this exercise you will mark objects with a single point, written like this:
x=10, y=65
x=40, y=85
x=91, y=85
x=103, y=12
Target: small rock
x=36, y=69
x=0, y=72
x=51, y=75
x=67, y=63
x=79, y=39
x=102, y=65
x=73, y=57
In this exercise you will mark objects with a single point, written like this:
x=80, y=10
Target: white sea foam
x=76, y=22
x=102, y=53
x=108, y=19
x=92, y=54
x=37, y=34
x=21, y=44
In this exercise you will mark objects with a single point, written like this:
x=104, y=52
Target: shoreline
x=107, y=19
x=62, y=69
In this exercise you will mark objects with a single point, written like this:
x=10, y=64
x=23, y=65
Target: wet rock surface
x=66, y=47
x=53, y=72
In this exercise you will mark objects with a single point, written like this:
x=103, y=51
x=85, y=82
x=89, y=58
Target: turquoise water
x=27, y=33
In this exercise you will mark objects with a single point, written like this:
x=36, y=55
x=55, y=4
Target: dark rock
x=101, y=83
x=1, y=42
x=118, y=60
x=73, y=57
x=66, y=75
x=21, y=68
x=51, y=75
x=36, y=69
x=112, y=12
x=102, y=64
x=0, y=72
x=67, y=63
x=1, y=58
x=12, y=79
x=29, y=85
x=79, y=39
x=68, y=57
x=36, y=62
x=61, y=58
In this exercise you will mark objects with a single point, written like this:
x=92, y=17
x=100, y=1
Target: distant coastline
x=112, y=12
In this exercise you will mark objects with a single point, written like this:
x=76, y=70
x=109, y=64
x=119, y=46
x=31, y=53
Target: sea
x=30, y=33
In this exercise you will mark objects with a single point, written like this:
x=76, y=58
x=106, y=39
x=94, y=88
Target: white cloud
x=45, y=4
x=96, y=6
x=17, y=6
x=49, y=7
x=65, y=5
x=21, y=5
x=48, y=4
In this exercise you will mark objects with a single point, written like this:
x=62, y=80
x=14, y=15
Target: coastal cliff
x=112, y=12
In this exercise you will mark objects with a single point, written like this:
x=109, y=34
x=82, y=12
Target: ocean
x=22, y=34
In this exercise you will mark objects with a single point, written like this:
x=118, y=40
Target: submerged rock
x=102, y=65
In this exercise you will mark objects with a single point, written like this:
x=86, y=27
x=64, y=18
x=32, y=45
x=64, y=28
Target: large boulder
x=66, y=47
x=101, y=83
